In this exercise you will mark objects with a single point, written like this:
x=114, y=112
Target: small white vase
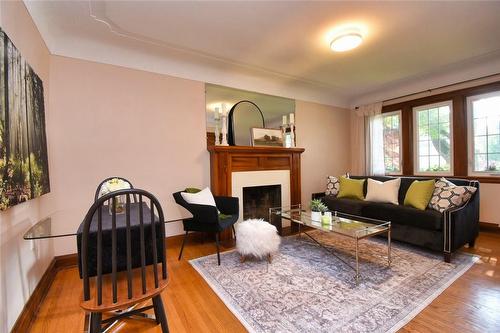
x=316, y=216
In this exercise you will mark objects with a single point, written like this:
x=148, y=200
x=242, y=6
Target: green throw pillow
x=419, y=194
x=351, y=188
x=192, y=190
x=223, y=216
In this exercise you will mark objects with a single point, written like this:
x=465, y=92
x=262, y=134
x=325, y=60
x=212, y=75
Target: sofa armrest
x=461, y=225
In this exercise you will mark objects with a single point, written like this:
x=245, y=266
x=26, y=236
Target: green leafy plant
x=318, y=206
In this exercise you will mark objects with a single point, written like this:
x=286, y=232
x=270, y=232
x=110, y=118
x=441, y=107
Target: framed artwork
x=266, y=137
x=24, y=169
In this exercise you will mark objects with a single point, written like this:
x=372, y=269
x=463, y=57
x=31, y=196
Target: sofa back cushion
x=403, y=187
x=406, y=182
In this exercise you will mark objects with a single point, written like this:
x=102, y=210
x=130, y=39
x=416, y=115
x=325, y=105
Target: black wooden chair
x=206, y=218
x=99, y=187
x=120, y=259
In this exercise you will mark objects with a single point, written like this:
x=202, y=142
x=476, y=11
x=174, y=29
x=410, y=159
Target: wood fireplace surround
x=224, y=160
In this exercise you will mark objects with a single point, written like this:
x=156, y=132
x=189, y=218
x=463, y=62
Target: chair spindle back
x=118, y=251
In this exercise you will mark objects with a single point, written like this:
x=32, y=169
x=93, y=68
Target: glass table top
x=58, y=224
x=347, y=225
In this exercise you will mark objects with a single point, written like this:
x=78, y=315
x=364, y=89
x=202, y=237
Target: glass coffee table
x=352, y=226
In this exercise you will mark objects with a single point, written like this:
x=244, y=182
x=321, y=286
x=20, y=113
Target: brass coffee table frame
x=342, y=224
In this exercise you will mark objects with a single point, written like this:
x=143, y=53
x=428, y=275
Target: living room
x=155, y=92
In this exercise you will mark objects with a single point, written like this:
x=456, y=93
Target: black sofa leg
x=217, y=244
x=182, y=247
x=447, y=257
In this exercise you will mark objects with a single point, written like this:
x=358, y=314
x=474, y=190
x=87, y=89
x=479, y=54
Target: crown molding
x=277, y=83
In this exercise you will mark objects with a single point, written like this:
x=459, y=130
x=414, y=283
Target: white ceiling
x=280, y=47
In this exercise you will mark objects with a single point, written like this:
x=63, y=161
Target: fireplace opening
x=258, y=199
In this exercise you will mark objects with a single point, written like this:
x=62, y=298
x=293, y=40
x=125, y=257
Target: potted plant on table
x=317, y=208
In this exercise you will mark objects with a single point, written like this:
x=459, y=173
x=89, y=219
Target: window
x=484, y=133
x=384, y=144
x=392, y=142
x=433, y=139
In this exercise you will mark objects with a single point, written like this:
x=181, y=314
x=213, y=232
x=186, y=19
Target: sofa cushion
x=383, y=191
x=351, y=188
x=419, y=194
x=332, y=186
x=345, y=205
x=404, y=215
x=448, y=195
x=403, y=187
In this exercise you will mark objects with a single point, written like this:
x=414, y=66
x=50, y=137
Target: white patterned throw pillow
x=332, y=186
x=448, y=195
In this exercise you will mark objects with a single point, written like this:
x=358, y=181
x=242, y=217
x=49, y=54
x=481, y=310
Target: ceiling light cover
x=346, y=42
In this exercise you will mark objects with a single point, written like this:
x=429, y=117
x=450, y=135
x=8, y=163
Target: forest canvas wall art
x=24, y=171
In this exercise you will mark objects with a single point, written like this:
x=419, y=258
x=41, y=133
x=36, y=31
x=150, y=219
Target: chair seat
x=228, y=221
x=122, y=300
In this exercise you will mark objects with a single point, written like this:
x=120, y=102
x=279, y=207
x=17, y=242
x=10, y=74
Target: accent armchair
x=207, y=219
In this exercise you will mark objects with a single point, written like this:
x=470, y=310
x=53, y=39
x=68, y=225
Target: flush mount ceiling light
x=346, y=41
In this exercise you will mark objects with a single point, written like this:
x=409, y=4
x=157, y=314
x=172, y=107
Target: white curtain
x=375, y=143
x=367, y=156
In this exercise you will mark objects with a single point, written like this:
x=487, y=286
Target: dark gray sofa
x=447, y=231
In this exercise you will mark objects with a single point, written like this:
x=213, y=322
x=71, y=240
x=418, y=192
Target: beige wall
x=150, y=128
x=324, y=133
x=108, y=120
x=22, y=263
x=488, y=203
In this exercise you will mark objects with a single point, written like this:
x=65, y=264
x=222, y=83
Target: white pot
x=316, y=216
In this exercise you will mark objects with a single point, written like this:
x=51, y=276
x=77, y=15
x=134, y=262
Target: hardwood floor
x=469, y=305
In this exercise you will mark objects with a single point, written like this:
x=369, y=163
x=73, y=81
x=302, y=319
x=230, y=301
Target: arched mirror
x=240, y=109
x=243, y=116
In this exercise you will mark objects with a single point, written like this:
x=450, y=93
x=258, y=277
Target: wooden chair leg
x=234, y=232
x=161, y=317
x=243, y=258
x=182, y=247
x=269, y=258
x=95, y=322
x=217, y=244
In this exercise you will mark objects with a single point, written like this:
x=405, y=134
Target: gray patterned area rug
x=306, y=289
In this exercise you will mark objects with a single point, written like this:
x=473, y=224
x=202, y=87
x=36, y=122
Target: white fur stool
x=257, y=238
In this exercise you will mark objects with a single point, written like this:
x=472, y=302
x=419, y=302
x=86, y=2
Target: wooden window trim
x=459, y=128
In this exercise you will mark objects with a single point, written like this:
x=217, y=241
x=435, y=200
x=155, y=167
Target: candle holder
x=283, y=134
x=217, y=132
x=292, y=136
x=224, y=131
